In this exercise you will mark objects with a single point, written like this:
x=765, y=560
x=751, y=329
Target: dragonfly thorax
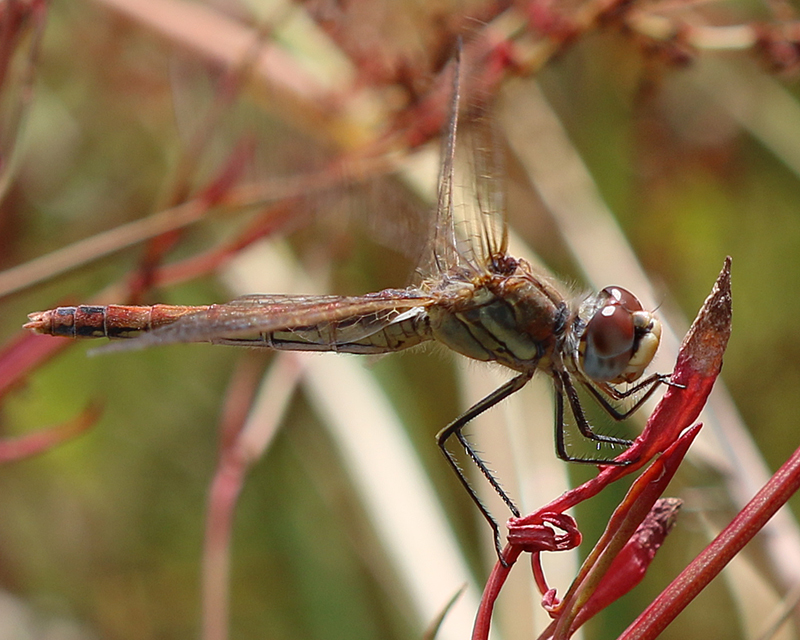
x=618, y=339
x=516, y=320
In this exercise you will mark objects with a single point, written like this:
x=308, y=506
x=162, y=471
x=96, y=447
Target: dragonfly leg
x=650, y=383
x=455, y=429
x=564, y=387
x=498, y=544
x=654, y=379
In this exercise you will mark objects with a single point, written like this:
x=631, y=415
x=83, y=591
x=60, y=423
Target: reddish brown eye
x=610, y=332
x=610, y=336
x=624, y=297
x=620, y=338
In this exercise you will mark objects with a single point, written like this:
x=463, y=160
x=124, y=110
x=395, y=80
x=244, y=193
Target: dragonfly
x=472, y=297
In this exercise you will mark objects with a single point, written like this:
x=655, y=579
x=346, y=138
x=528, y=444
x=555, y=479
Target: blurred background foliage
x=102, y=537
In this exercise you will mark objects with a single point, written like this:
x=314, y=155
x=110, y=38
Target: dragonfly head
x=620, y=338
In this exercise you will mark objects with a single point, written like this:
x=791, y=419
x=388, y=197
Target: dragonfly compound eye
x=622, y=297
x=620, y=339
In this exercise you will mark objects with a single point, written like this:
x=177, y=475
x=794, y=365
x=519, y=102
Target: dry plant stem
x=540, y=32
x=229, y=87
x=108, y=242
x=236, y=199
x=15, y=19
x=698, y=365
x=28, y=352
x=713, y=559
x=157, y=248
x=218, y=38
x=239, y=396
x=488, y=57
x=98, y=246
x=223, y=493
x=238, y=452
x=780, y=615
x=279, y=218
x=433, y=629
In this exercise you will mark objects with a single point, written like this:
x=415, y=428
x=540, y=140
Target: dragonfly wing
x=478, y=194
x=325, y=321
x=441, y=255
x=486, y=227
x=470, y=232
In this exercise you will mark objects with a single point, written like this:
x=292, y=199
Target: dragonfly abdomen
x=111, y=321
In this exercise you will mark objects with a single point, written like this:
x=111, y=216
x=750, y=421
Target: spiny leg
x=455, y=428
x=563, y=386
x=580, y=418
x=654, y=379
x=652, y=382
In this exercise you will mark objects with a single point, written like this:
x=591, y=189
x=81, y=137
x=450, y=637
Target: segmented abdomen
x=111, y=321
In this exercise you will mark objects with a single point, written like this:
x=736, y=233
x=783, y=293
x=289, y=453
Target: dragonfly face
x=620, y=338
x=475, y=298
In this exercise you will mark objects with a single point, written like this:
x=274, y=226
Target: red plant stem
x=492, y=590
x=28, y=352
x=243, y=442
x=716, y=555
x=23, y=355
x=143, y=279
x=636, y=506
x=32, y=444
x=273, y=219
x=538, y=573
x=631, y=564
x=222, y=500
x=551, y=532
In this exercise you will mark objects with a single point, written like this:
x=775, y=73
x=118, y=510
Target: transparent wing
x=442, y=253
x=309, y=322
x=470, y=233
x=485, y=230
